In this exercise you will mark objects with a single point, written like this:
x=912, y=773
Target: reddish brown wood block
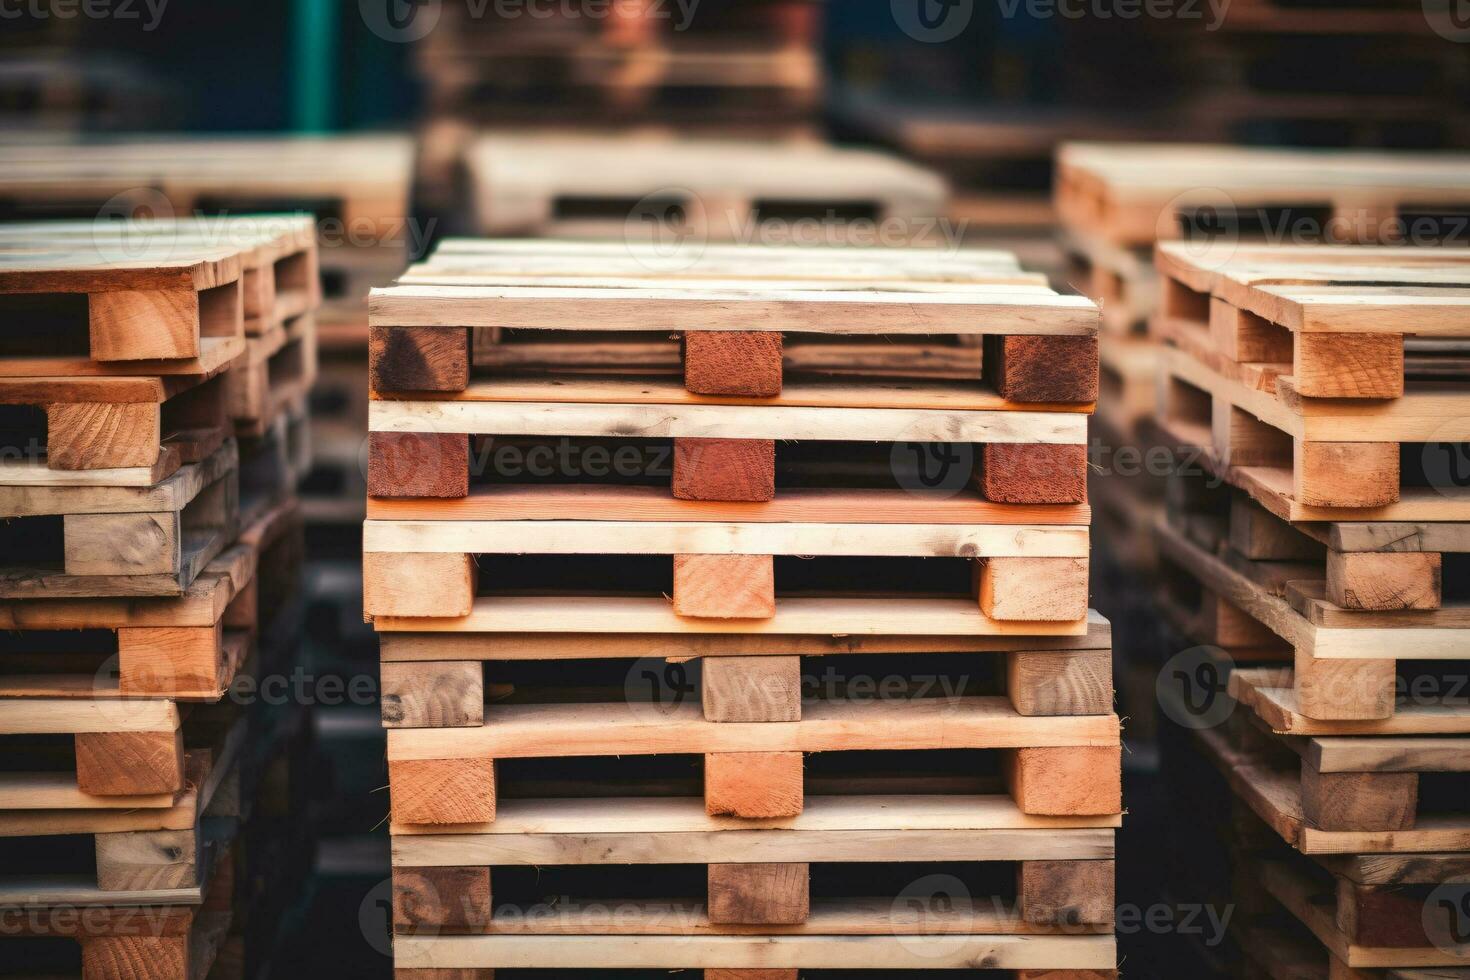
x=753, y=784
x=1026, y=368
x=1033, y=474
x=725, y=469
x=725, y=586
x=418, y=464
x=419, y=358
x=130, y=763
x=442, y=791
x=733, y=362
x=1067, y=781
x=759, y=894
x=453, y=898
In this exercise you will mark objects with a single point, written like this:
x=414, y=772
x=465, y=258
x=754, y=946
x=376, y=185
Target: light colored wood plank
x=871, y=617
x=540, y=731
x=387, y=540
x=727, y=422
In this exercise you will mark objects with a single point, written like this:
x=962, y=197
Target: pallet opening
x=1252, y=442
x=33, y=543
x=196, y=415
x=1277, y=224
x=36, y=753
x=65, y=662
x=1439, y=224
x=1177, y=301
x=657, y=211
x=1187, y=407
x=220, y=310
x=22, y=433
x=49, y=856
x=205, y=518
x=653, y=575
x=1438, y=466
x=322, y=208
x=45, y=325
x=294, y=278
x=791, y=211
x=42, y=955
x=654, y=680
x=335, y=284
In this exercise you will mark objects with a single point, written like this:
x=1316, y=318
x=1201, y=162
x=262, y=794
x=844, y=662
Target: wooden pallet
x=274, y=377
x=716, y=190
x=155, y=301
x=1121, y=280
x=1136, y=194
x=132, y=934
x=1269, y=694
x=1328, y=460
x=117, y=533
x=278, y=258
x=1346, y=664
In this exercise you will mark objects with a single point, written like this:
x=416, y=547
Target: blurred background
x=398, y=122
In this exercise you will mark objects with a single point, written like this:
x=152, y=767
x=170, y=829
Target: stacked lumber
x=151, y=546
x=676, y=190
x=1317, y=552
x=598, y=679
x=1117, y=200
x=751, y=69
x=358, y=191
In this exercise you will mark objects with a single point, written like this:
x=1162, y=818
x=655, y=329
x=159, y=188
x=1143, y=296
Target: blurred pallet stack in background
x=643, y=680
x=747, y=68
x=152, y=554
x=1117, y=200
x=1316, y=553
x=356, y=191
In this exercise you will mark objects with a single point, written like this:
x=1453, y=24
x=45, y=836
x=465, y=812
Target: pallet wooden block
x=83, y=535
x=275, y=374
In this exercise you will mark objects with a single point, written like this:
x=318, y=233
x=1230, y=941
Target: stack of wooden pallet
x=748, y=68
x=148, y=552
x=695, y=616
x=1117, y=201
x=673, y=190
x=1318, y=392
x=358, y=190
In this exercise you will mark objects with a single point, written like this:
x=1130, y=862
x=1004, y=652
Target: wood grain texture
x=418, y=584
x=418, y=464
x=725, y=586
x=1011, y=473
x=1359, y=800
x=751, y=974
x=751, y=688
x=753, y=784
x=418, y=358
x=98, y=436
x=136, y=958
x=138, y=325
x=759, y=894
x=1068, y=781
x=1345, y=474
x=1032, y=589
x=148, y=860
x=121, y=544
x=467, y=973
x=130, y=763
x=176, y=660
x=724, y=469
x=1344, y=690
x=1060, y=683
x=1341, y=365
x=448, y=694
x=1043, y=368
x=1066, y=893
x=719, y=362
x=1260, y=535
x=437, y=898
x=442, y=791
x=1371, y=580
